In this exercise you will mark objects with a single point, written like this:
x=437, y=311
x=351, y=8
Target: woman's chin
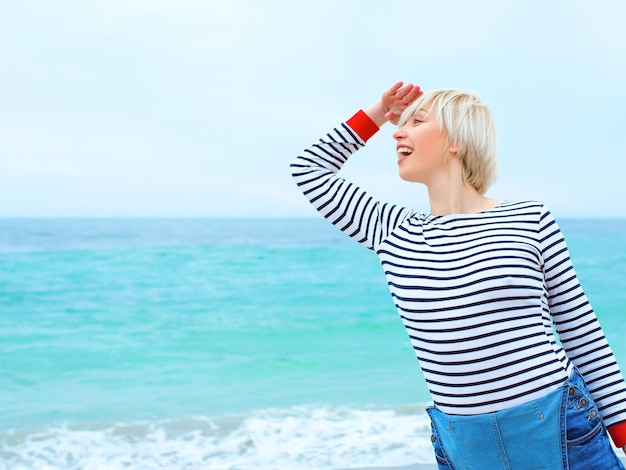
x=408, y=177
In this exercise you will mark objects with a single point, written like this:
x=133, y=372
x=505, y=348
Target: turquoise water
x=218, y=344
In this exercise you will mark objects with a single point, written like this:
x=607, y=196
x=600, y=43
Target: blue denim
x=559, y=431
x=588, y=445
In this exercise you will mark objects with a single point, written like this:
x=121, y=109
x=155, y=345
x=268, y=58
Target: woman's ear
x=453, y=149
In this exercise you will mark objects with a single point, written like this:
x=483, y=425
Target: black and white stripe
x=479, y=294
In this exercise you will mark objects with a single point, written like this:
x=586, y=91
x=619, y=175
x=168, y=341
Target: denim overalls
x=560, y=431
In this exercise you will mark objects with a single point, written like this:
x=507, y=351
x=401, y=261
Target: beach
x=222, y=344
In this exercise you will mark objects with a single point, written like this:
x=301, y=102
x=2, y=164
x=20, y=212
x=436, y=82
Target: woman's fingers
x=409, y=92
x=395, y=88
x=397, y=98
x=414, y=93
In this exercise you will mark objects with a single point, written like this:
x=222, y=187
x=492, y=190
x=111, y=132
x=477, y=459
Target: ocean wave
x=306, y=437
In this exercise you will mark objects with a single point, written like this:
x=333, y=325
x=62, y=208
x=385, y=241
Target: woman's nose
x=399, y=133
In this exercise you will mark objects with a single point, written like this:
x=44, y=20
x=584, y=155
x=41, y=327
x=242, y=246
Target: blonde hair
x=469, y=127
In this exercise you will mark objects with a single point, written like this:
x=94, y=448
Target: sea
x=223, y=344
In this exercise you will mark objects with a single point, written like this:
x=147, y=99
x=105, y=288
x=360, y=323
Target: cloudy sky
x=196, y=107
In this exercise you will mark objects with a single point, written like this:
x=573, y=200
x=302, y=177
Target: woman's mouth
x=403, y=153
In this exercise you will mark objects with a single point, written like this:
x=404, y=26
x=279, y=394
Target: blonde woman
x=478, y=283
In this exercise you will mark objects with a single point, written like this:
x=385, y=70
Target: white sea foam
x=296, y=438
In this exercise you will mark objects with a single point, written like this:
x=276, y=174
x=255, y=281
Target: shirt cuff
x=362, y=125
x=618, y=434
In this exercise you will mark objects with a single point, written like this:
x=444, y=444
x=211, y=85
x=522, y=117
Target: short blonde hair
x=469, y=127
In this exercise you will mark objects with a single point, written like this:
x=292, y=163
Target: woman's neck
x=459, y=200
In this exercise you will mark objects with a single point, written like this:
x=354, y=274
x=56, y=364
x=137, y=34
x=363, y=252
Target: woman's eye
x=417, y=121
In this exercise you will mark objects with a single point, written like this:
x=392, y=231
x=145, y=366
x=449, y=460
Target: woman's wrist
x=376, y=113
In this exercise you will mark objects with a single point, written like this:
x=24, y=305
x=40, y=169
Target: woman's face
x=421, y=147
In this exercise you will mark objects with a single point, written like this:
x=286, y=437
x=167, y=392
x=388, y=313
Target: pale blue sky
x=196, y=108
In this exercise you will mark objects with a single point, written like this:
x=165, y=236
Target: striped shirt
x=480, y=294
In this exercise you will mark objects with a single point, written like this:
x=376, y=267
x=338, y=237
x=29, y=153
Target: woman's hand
x=393, y=101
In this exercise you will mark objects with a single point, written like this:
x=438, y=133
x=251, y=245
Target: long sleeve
x=344, y=204
x=580, y=332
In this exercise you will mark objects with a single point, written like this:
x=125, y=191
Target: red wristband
x=618, y=434
x=363, y=125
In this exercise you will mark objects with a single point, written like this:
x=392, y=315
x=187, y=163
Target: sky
x=195, y=108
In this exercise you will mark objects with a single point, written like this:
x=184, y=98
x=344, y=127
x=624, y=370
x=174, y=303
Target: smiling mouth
x=403, y=153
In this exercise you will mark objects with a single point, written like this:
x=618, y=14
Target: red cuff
x=618, y=434
x=362, y=125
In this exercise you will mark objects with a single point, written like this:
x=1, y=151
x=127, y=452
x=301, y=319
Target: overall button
x=582, y=403
x=433, y=438
x=593, y=414
x=571, y=391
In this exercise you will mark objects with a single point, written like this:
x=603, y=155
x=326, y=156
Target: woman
x=479, y=285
